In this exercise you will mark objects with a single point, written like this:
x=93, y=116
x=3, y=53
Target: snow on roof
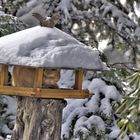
x=47, y=47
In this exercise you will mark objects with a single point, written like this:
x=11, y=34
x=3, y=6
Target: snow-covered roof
x=47, y=47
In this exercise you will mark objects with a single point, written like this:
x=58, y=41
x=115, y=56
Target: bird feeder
x=37, y=90
x=31, y=48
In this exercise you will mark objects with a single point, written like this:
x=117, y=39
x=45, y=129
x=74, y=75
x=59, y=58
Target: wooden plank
x=78, y=79
x=38, y=78
x=44, y=93
x=67, y=68
x=4, y=75
x=64, y=93
x=12, y=90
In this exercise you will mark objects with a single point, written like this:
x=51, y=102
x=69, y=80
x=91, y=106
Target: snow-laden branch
x=81, y=116
x=104, y=12
x=117, y=20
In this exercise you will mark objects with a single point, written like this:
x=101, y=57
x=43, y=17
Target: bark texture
x=36, y=119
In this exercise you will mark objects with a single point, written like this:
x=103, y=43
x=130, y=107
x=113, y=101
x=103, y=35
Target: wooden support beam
x=78, y=79
x=44, y=93
x=38, y=78
x=4, y=75
x=38, y=91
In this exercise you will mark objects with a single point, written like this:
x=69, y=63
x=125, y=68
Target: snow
x=137, y=8
x=47, y=47
x=67, y=126
x=137, y=32
x=1, y=138
x=77, y=110
x=11, y=106
x=65, y=6
x=99, y=87
x=5, y=129
x=9, y=113
x=67, y=79
x=137, y=137
x=93, y=121
x=72, y=105
x=123, y=2
x=8, y=137
x=115, y=132
x=96, y=85
x=111, y=92
x=105, y=107
x=103, y=45
x=122, y=19
x=93, y=104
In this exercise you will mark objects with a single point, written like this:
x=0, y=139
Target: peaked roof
x=47, y=47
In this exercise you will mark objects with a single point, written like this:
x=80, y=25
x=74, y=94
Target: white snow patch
x=65, y=6
x=6, y=130
x=1, y=138
x=105, y=107
x=137, y=8
x=11, y=105
x=85, y=84
x=8, y=137
x=111, y=92
x=47, y=47
x=115, y=132
x=72, y=104
x=78, y=110
x=96, y=85
x=67, y=79
x=103, y=45
x=86, y=124
x=137, y=31
x=67, y=126
x=137, y=137
x=123, y=2
x=93, y=103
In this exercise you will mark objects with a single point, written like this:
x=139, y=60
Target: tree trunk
x=36, y=119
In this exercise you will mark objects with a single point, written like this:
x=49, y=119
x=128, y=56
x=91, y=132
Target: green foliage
x=11, y=6
x=129, y=110
x=9, y=24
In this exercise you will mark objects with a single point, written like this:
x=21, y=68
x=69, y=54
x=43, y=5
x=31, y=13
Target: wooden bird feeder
x=21, y=49
x=37, y=90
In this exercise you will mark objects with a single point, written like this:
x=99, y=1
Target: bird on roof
x=47, y=22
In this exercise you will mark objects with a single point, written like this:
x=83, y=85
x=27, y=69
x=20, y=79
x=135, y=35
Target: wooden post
x=37, y=119
x=4, y=75
x=38, y=80
x=78, y=79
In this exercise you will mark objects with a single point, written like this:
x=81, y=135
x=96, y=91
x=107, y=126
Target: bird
x=50, y=22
